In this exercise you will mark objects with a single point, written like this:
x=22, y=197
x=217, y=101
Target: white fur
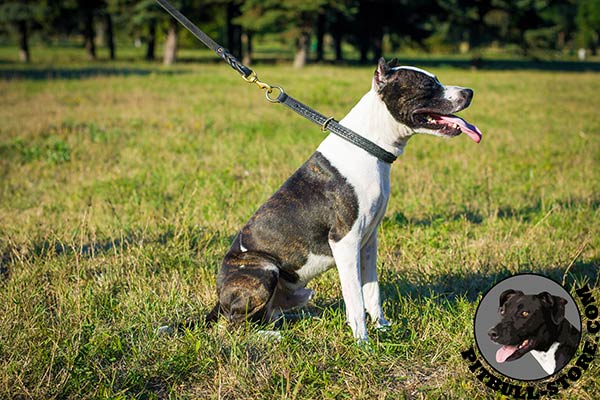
x=370, y=178
x=315, y=265
x=242, y=248
x=356, y=253
x=369, y=281
x=452, y=93
x=547, y=359
x=270, y=267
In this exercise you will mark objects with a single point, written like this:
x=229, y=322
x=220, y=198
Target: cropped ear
x=382, y=73
x=556, y=306
x=507, y=294
x=393, y=63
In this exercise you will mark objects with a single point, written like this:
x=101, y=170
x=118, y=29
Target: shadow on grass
x=465, y=63
x=79, y=73
x=6, y=258
x=448, y=288
x=33, y=73
x=525, y=214
x=471, y=285
x=198, y=239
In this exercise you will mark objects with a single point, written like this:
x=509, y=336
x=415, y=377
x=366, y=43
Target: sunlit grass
x=121, y=188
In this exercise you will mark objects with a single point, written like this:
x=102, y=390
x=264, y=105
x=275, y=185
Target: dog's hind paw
x=270, y=335
x=165, y=330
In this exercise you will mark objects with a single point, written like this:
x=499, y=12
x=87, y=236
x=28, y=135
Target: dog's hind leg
x=370, y=283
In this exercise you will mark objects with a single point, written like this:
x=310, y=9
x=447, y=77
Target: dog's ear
x=382, y=73
x=507, y=294
x=555, y=304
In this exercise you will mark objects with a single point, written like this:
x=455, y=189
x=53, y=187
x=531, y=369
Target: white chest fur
x=369, y=176
x=315, y=265
x=547, y=359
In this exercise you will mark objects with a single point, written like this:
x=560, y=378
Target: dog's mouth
x=448, y=125
x=510, y=353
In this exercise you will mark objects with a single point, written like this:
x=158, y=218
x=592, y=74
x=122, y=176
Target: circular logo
x=527, y=327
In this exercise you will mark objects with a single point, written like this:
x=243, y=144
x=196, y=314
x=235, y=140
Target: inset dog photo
x=527, y=327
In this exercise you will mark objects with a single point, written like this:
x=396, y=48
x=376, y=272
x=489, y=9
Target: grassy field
x=122, y=185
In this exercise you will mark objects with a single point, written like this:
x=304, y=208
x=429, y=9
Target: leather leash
x=327, y=124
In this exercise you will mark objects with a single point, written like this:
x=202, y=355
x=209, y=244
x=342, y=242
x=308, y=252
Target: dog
x=534, y=324
x=328, y=211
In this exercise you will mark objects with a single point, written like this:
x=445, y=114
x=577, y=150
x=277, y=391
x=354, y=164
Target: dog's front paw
x=382, y=324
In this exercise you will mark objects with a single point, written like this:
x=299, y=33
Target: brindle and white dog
x=328, y=211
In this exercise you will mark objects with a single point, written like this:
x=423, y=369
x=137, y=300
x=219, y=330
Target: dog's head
x=245, y=293
x=417, y=99
x=528, y=322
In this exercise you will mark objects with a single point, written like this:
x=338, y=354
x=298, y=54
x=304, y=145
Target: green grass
x=122, y=185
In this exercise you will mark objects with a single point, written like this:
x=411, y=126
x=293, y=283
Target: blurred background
x=470, y=32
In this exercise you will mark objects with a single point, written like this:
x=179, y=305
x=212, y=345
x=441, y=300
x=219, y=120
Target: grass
x=122, y=186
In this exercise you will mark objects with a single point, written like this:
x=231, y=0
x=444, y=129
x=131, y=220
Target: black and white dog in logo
x=534, y=324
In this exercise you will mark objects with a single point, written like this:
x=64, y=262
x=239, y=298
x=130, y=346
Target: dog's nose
x=493, y=334
x=467, y=96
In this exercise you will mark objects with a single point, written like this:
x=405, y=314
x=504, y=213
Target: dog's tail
x=213, y=315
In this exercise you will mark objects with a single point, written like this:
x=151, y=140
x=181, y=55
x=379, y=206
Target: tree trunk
x=338, y=32
x=561, y=40
x=594, y=43
x=234, y=31
x=247, y=47
x=365, y=36
x=24, y=55
x=171, y=43
x=110, y=40
x=302, y=49
x=89, y=34
x=377, y=45
x=151, y=40
x=320, y=36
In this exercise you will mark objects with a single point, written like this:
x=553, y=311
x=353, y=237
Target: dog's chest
x=314, y=266
x=547, y=359
x=369, y=177
x=372, y=185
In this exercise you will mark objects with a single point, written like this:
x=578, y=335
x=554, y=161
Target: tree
x=234, y=30
x=145, y=17
x=21, y=16
x=296, y=18
x=588, y=23
x=203, y=12
x=87, y=11
x=170, y=52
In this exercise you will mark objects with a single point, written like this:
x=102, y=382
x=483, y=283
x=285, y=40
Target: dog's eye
x=524, y=313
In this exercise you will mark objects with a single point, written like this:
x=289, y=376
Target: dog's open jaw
x=417, y=99
x=513, y=352
x=451, y=125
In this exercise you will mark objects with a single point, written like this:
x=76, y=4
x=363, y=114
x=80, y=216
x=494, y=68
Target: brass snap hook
x=253, y=78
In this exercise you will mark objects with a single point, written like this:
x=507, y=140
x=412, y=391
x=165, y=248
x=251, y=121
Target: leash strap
x=250, y=76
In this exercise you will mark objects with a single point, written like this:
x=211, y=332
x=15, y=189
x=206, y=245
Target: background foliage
x=312, y=29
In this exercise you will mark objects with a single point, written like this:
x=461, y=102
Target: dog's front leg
x=346, y=253
x=370, y=283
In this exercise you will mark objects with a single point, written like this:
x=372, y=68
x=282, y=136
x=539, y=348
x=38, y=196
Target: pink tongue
x=504, y=352
x=470, y=130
